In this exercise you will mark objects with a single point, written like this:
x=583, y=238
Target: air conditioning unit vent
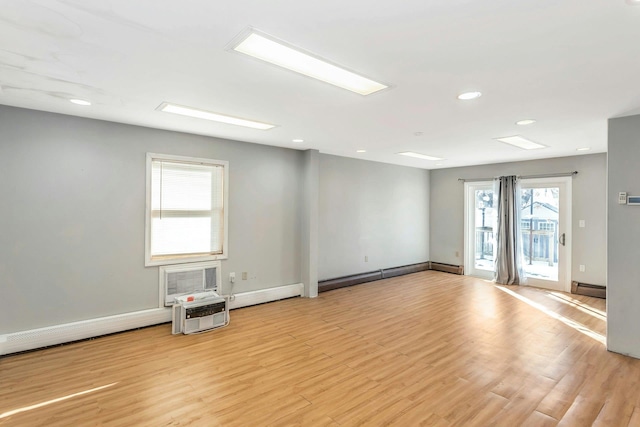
x=177, y=280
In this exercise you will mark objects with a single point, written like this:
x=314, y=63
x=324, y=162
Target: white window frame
x=181, y=259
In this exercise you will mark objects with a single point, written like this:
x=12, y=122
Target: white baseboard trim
x=68, y=332
x=245, y=299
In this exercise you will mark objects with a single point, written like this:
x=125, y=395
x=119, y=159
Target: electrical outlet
x=366, y=258
x=457, y=254
x=232, y=277
x=244, y=275
x=582, y=268
x=581, y=223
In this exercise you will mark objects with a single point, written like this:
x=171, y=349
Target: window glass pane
x=539, y=212
x=485, y=218
x=181, y=236
x=187, y=208
x=182, y=186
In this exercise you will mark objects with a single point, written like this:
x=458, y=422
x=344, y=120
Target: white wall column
x=623, y=235
x=310, y=223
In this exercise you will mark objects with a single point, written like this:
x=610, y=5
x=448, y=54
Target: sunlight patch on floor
x=571, y=323
x=577, y=304
x=49, y=402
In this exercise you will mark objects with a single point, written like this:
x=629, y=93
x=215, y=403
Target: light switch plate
x=622, y=198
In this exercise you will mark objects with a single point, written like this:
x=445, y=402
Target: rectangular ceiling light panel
x=419, y=156
x=521, y=142
x=274, y=52
x=215, y=117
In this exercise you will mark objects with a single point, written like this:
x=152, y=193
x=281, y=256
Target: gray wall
x=623, y=235
x=589, y=204
x=73, y=216
x=370, y=209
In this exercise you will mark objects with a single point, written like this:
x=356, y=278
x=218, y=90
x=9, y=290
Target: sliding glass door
x=545, y=209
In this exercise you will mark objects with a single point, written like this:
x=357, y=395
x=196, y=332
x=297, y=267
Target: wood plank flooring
x=426, y=349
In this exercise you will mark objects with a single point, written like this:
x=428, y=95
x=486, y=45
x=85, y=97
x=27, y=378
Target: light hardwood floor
x=424, y=349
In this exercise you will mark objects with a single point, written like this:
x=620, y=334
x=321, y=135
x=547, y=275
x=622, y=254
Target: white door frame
x=470, y=229
x=564, y=226
x=564, y=254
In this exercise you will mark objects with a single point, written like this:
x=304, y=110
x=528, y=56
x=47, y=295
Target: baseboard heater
x=371, y=276
x=588, y=290
x=447, y=268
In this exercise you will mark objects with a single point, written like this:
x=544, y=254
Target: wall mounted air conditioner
x=183, y=279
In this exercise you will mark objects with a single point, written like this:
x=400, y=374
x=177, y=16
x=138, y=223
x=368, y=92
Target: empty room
x=319, y=214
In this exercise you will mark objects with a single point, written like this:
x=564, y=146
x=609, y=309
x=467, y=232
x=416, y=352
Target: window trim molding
x=183, y=259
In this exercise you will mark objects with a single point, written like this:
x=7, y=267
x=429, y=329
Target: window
x=547, y=226
x=186, y=217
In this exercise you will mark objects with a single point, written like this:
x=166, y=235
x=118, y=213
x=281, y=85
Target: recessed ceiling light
x=583, y=149
x=361, y=151
x=80, y=102
x=521, y=142
x=278, y=53
x=298, y=140
x=419, y=156
x=469, y=95
x=525, y=122
x=216, y=117
x=418, y=133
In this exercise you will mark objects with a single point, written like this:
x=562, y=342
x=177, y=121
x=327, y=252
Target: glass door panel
x=539, y=216
x=480, y=223
x=485, y=220
x=545, y=218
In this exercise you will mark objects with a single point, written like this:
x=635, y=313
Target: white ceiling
x=568, y=64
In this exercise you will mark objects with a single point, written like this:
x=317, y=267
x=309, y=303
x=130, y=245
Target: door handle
x=562, y=239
